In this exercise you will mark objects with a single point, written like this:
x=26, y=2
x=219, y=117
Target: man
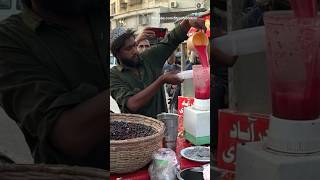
x=137, y=82
x=172, y=63
x=143, y=45
x=193, y=60
x=53, y=80
x=173, y=91
x=142, y=39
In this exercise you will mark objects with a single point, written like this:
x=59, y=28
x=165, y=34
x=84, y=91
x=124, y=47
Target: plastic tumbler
x=293, y=60
x=201, y=81
x=171, y=132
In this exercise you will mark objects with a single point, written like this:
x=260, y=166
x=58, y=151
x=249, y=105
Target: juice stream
x=203, y=55
x=203, y=92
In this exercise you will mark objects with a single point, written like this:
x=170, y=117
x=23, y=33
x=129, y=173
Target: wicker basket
x=50, y=172
x=132, y=154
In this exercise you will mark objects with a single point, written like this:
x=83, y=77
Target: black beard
x=129, y=63
x=69, y=7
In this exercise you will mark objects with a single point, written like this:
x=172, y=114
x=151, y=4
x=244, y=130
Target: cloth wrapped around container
x=164, y=165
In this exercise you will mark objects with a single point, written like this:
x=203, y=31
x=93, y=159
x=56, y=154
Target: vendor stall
x=190, y=145
x=143, y=174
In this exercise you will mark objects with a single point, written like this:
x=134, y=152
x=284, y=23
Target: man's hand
x=171, y=78
x=196, y=22
x=143, y=97
x=146, y=33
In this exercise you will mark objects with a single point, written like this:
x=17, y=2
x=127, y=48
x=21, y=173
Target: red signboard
x=235, y=128
x=184, y=102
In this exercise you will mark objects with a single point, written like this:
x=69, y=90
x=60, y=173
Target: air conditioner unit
x=173, y=4
x=200, y=5
x=144, y=20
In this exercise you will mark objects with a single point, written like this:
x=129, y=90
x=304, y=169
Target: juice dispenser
x=291, y=148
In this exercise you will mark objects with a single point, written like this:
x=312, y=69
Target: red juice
x=202, y=93
x=304, y=8
x=201, y=81
x=203, y=55
x=295, y=101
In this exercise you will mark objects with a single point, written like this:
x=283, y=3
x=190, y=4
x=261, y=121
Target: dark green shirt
x=44, y=70
x=124, y=83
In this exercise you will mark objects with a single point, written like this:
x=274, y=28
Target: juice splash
x=203, y=54
x=304, y=8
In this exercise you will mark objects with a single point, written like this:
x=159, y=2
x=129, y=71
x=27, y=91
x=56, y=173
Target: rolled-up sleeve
x=34, y=96
x=121, y=91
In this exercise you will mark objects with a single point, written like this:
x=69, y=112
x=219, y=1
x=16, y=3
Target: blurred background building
x=138, y=14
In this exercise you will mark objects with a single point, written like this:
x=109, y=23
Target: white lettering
x=229, y=155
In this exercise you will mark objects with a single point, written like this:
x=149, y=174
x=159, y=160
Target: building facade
x=138, y=14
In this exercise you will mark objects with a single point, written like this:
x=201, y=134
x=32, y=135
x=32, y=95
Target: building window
x=134, y=2
x=123, y=4
x=113, y=8
x=144, y=19
x=5, y=4
x=121, y=23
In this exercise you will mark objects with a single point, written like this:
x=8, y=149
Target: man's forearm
x=142, y=98
x=80, y=129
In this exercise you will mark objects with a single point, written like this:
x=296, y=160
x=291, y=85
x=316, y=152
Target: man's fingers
x=149, y=34
x=198, y=23
x=175, y=71
x=172, y=72
x=148, y=28
x=201, y=24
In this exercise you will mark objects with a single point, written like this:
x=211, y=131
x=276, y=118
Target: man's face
x=67, y=7
x=128, y=54
x=143, y=45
